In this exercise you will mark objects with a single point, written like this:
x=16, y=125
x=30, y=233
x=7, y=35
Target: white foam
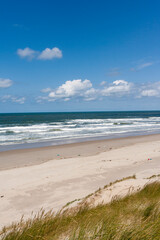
x=77, y=128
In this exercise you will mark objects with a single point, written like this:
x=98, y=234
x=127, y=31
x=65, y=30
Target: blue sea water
x=41, y=129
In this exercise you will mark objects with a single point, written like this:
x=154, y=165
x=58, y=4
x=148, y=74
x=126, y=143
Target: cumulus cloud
x=71, y=89
x=19, y=100
x=26, y=53
x=76, y=88
x=118, y=88
x=46, y=54
x=5, y=83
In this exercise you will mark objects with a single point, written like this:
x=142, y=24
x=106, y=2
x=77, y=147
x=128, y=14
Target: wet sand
x=27, y=157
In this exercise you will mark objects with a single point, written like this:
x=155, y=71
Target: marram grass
x=135, y=217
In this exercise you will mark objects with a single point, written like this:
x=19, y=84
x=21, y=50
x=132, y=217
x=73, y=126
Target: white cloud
x=48, y=54
x=19, y=100
x=71, y=89
x=26, y=53
x=40, y=99
x=118, y=88
x=150, y=90
x=149, y=93
x=120, y=82
x=5, y=98
x=45, y=90
x=91, y=94
x=5, y=83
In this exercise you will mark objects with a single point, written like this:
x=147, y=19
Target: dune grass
x=153, y=176
x=135, y=217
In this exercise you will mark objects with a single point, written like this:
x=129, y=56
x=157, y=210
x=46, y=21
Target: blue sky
x=79, y=55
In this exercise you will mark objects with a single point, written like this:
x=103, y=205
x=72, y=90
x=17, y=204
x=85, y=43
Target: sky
x=79, y=55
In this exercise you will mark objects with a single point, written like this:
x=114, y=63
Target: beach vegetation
x=153, y=176
x=133, y=217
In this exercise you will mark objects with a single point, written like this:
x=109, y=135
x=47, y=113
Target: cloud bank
x=84, y=89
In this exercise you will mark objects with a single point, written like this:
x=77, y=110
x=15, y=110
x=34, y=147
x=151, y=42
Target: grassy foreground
x=134, y=217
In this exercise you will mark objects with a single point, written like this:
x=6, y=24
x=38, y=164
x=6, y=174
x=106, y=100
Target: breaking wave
x=62, y=128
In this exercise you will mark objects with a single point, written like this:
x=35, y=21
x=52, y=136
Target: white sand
x=52, y=184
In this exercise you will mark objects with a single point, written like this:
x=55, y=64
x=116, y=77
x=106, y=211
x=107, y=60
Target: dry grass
x=110, y=184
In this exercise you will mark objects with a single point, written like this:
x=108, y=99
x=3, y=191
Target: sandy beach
x=49, y=177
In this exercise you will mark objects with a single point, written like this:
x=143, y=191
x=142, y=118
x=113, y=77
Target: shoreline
x=32, y=156
x=64, y=141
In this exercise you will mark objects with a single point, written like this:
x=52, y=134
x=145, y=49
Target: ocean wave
x=75, y=128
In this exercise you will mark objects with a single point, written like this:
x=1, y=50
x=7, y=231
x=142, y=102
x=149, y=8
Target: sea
x=27, y=130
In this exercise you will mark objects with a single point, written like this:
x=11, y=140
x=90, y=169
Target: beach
x=50, y=177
